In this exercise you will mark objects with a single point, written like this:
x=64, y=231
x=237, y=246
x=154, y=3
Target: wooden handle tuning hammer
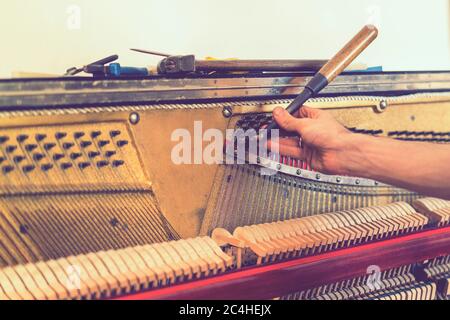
x=332, y=68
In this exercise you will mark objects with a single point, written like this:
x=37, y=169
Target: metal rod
x=151, y=52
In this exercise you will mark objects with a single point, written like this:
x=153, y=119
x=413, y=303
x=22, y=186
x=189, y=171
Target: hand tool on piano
x=115, y=70
x=179, y=64
x=74, y=70
x=188, y=64
x=331, y=69
x=151, y=52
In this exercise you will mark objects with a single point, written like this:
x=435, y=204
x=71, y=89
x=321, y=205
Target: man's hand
x=331, y=148
x=323, y=139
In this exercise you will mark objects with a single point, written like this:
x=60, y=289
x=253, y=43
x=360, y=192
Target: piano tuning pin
x=122, y=143
x=93, y=154
x=7, y=169
x=11, y=148
x=60, y=135
x=103, y=143
x=58, y=156
x=46, y=167
x=95, y=134
x=114, y=133
x=18, y=159
x=67, y=145
x=28, y=168
x=118, y=163
x=40, y=136
x=22, y=137
x=23, y=229
x=114, y=222
x=75, y=155
x=66, y=165
x=49, y=146
x=83, y=165
x=102, y=163
x=85, y=143
x=78, y=134
x=30, y=147
x=38, y=157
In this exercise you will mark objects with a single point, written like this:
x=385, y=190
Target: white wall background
x=42, y=35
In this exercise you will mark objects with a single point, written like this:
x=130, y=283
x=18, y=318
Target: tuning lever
x=332, y=68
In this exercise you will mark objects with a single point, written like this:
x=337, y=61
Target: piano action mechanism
x=87, y=184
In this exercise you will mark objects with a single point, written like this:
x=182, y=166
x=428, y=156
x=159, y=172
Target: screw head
x=227, y=112
x=298, y=172
x=278, y=166
x=338, y=179
x=357, y=181
x=318, y=176
x=134, y=118
x=382, y=106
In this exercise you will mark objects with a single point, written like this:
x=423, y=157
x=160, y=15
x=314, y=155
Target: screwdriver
x=331, y=69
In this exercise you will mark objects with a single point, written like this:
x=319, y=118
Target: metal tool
x=181, y=64
x=331, y=69
x=74, y=70
x=152, y=52
x=115, y=70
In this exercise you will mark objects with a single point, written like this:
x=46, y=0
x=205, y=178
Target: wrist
x=354, y=157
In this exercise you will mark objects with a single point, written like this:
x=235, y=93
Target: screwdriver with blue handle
x=115, y=70
x=331, y=69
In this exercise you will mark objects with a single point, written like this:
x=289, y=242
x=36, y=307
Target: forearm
x=418, y=166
